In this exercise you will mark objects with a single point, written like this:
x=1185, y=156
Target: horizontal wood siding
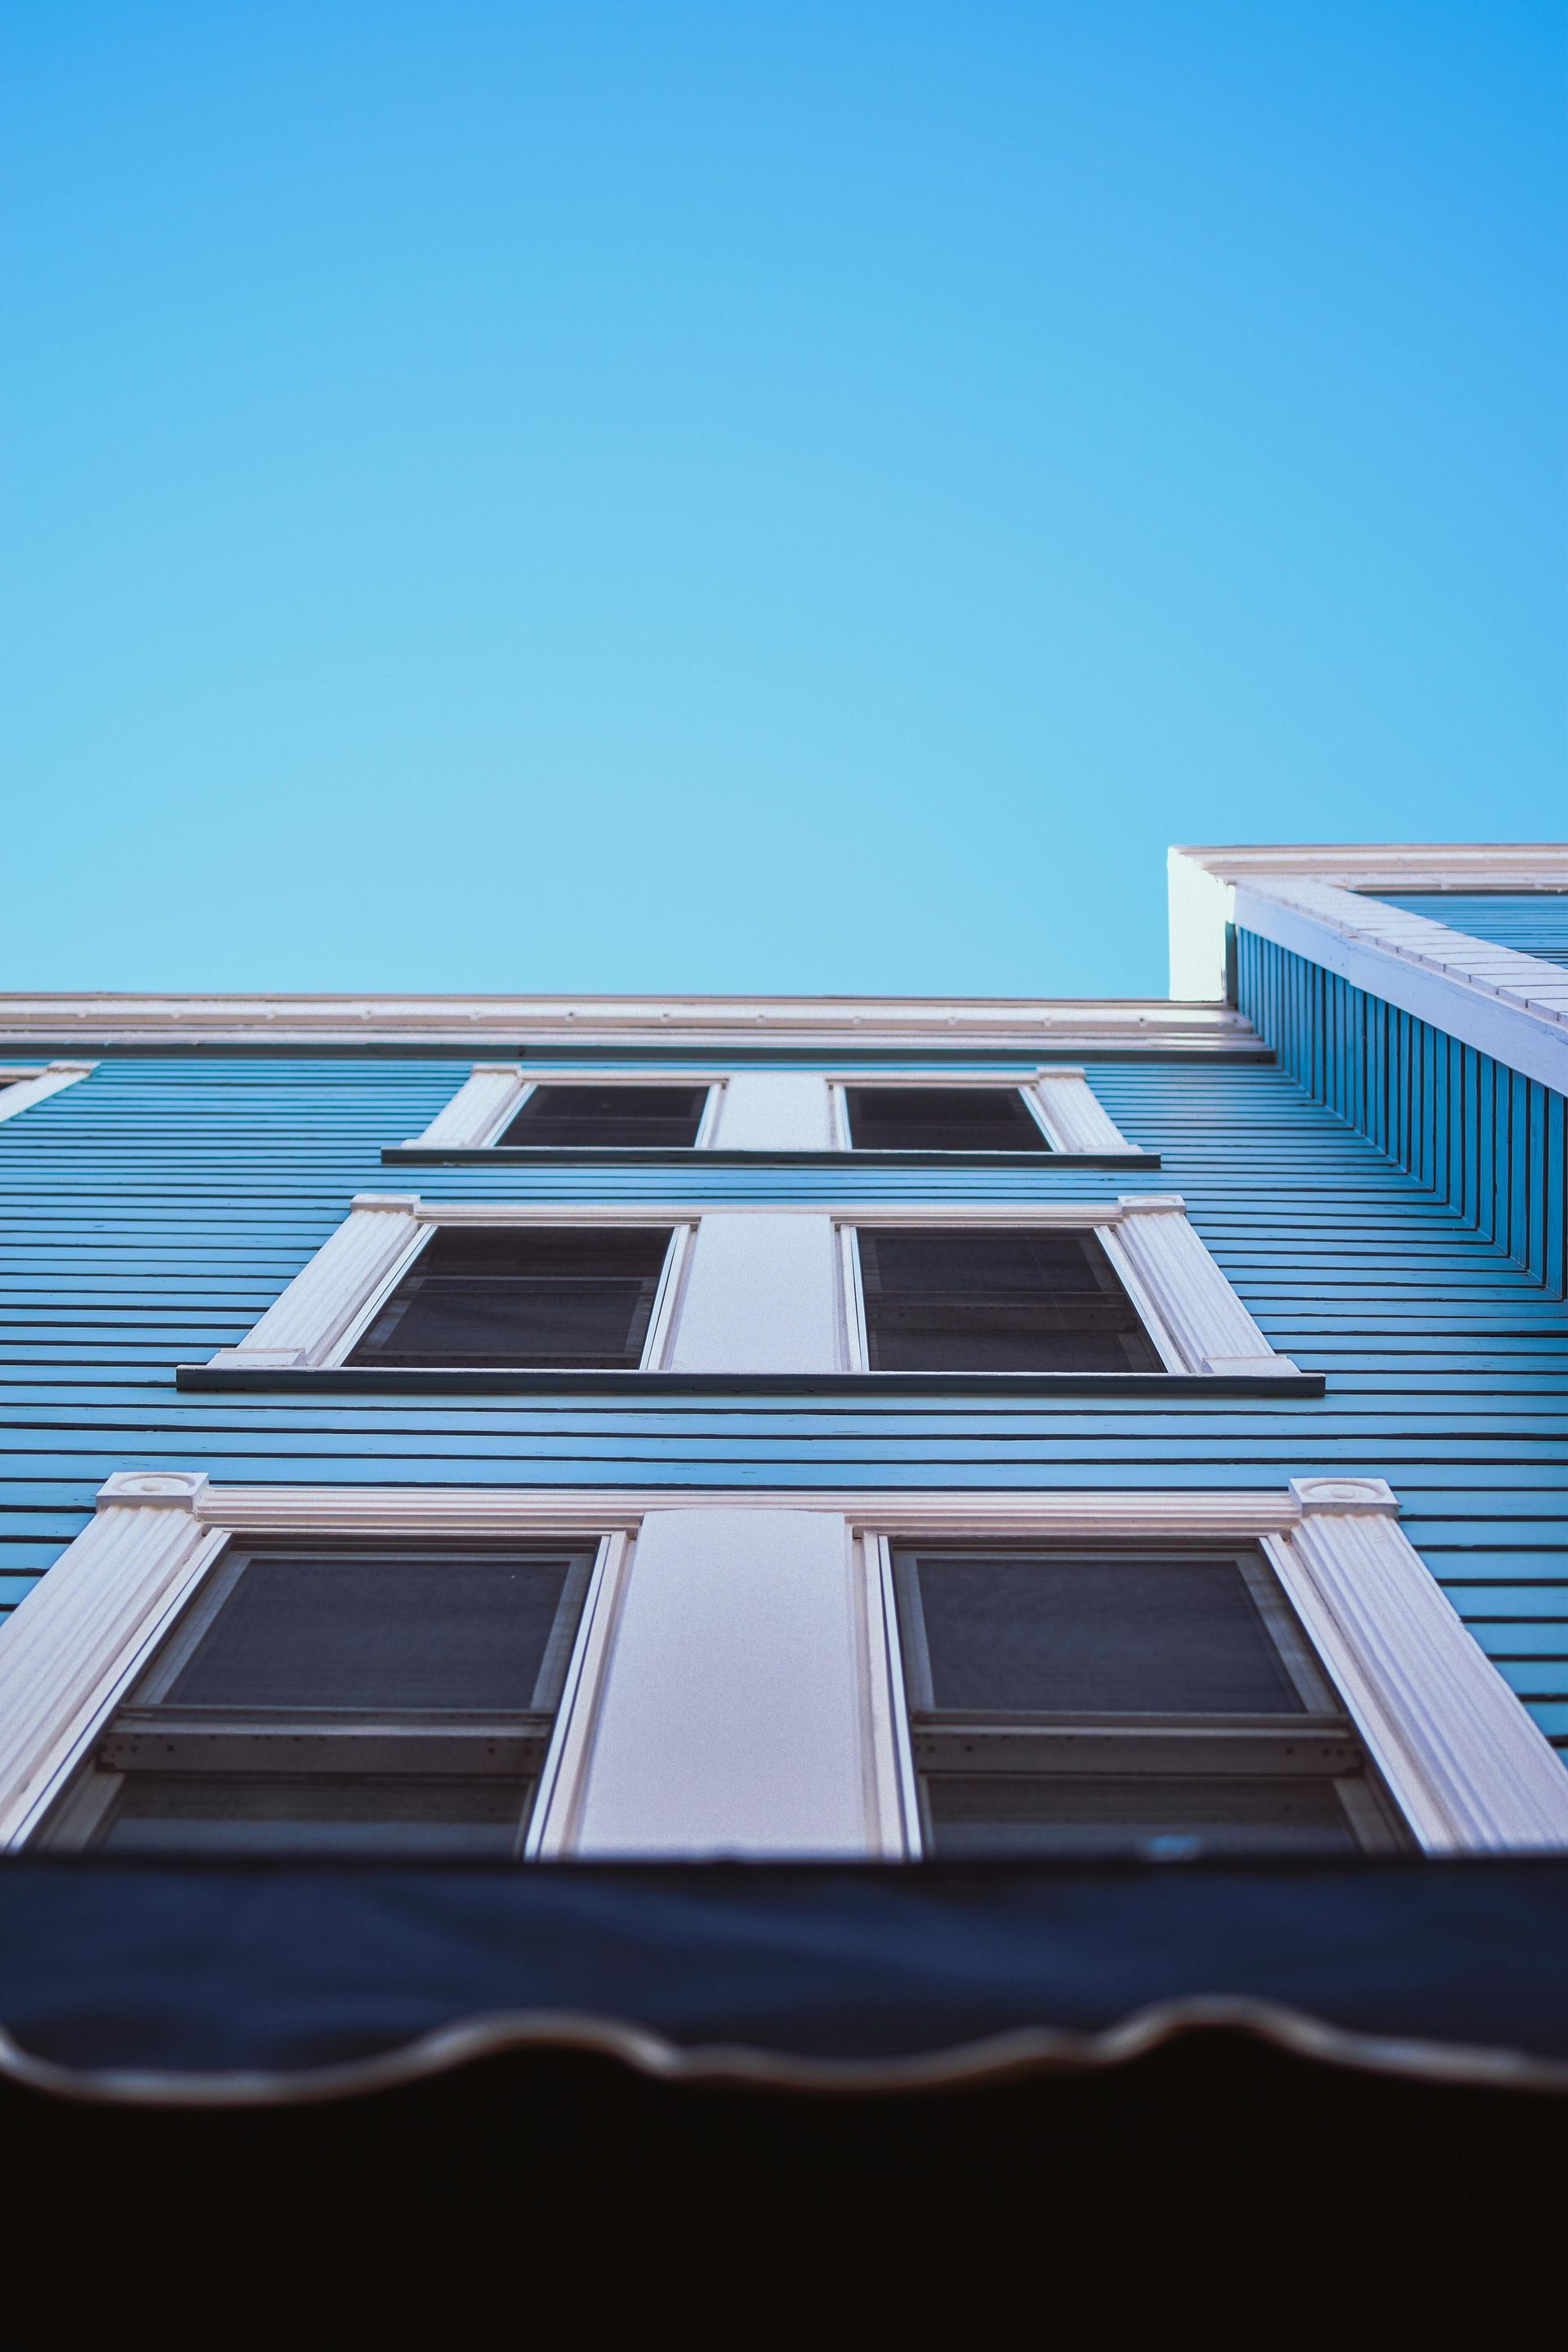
x=1488, y=1143
x=1532, y=922
x=150, y=1213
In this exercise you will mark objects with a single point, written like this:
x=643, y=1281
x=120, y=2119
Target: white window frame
x=23, y=1084
x=315, y=1324
x=1194, y=1318
x=493, y=1093
x=1056, y=1095
x=1464, y=1764
x=1197, y=1323
x=1172, y=1750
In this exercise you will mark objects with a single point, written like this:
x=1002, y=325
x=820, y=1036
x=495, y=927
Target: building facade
x=515, y=1431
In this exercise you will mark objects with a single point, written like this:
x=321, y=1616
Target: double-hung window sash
x=341, y=1700
x=941, y=1118
x=569, y=1297
x=996, y=1298
x=1098, y=1703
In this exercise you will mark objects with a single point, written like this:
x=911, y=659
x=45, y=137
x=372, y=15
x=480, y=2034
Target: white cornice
x=1395, y=866
x=1316, y=902
x=512, y=1024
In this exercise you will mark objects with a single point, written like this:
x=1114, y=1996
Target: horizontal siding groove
x=151, y=1218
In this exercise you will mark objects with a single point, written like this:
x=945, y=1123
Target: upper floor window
x=1094, y=1703
x=505, y=1107
x=365, y=1700
x=564, y=1298
x=941, y=1118
x=575, y=1116
x=997, y=1299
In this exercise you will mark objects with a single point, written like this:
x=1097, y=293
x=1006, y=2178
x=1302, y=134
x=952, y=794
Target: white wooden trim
x=327, y=1298
x=1056, y=1093
x=469, y=1024
x=898, y=1821
x=1071, y=1112
x=775, y=1110
x=483, y=1512
x=1191, y=1297
x=21, y=1088
x=1511, y=1006
x=494, y=1092
x=1145, y=1298
x=760, y=1295
x=558, y=1803
x=766, y=1290
x=483, y=1104
x=734, y=1715
x=75, y=1641
x=1458, y=1751
x=1192, y=1316
x=669, y=1299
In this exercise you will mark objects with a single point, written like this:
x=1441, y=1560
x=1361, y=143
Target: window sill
x=367, y=1380
x=638, y=1155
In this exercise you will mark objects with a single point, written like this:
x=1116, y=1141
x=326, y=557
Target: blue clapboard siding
x=151, y=1212
x=1491, y=1145
x=1534, y=922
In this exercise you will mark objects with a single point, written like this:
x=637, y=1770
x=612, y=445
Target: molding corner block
x=83, y=1630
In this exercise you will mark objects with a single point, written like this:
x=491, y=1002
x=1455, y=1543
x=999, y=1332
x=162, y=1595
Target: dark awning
x=262, y=1982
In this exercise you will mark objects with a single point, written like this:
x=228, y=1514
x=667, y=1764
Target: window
x=609, y=1115
x=567, y=1298
x=996, y=1298
x=831, y=1672
x=1065, y=1703
x=340, y=1700
x=941, y=1118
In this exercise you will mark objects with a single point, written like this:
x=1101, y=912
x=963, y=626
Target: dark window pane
x=378, y=1634
x=558, y=1297
x=1098, y=1636
x=1010, y=1299
x=434, y=1818
x=941, y=1121
x=941, y=1118
x=979, y=1814
x=609, y=1115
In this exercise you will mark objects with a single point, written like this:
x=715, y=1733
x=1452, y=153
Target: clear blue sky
x=623, y=494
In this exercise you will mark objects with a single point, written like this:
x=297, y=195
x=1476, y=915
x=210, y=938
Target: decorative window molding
x=1321, y=903
x=763, y=1290
x=735, y=1687
x=481, y=1107
x=1187, y=1306
x=20, y=1088
x=319, y=1317
x=772, y=1111
x=493, y=1093
x=1071, y=1112
x=1056, y=1095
